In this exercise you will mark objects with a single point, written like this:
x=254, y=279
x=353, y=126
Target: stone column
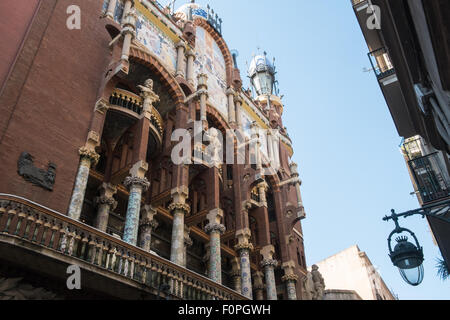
x=203, y=91
x=236, y=274
x=178, y=208
x=128, y=31
x=269, y=265
x=111, y=9
x=231, y=108
x=276, y=149
x=258, y=285
x=290, y=279
x=238, y=105
x=215, y=229
x=105, y=203
x=146, y=226
x=181, y=48
x=297, y=183
x=190, y=67
x=88, y=158
x=126, y=8
x=187, y=243
x=255, y=137
x=270, y=146
x=137, y=183
x=244, y=247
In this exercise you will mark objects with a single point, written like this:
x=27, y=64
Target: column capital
x=181, y=44
x=185, y=208
x=148, y=214
x=190, y=53
x=289, y=274
x=202, y=81
x=89, y=154
x=289, y=278
x=243, y=237
x=238, y=99
x=110, y=201
x=139, y=169
x=230, y=92
x=267, y=252
x=215, y=227
x=136, y=181
x=269, y=263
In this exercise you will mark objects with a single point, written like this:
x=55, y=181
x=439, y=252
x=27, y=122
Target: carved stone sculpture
x=313, y=285
x=319, y=283
x=38, y=177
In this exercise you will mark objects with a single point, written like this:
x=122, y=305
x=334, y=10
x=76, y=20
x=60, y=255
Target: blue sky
x=344, y=138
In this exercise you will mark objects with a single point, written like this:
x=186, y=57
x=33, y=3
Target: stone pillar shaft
x=132, y=218
x=126, y=46
x=246, y=280
x=231, y=107
x=215, y=260
x=270, y=282
x=88, y=157
x=291, y=290
x=111, y=9
x=176, y=252
x=203, y=98
x=181, y=48
x=238, y=106
x=76, y=203
x=126, y=8
x=190, y=68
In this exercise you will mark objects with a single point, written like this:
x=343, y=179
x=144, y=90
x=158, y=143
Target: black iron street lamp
x=408, y=256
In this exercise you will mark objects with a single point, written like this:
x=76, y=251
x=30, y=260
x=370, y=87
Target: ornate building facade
x=95, y=125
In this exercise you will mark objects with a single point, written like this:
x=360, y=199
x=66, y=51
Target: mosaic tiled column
x=146, y=226
x=187, y=243
x=290, y=279
x=236, y=274
x=269, y=264
x=105, y=204
x=137, y=183
x=181, y=48
x=179, y=209
x=215, y=229
x=258, y=285
x=88, y=157
x=269, y=272
x=244, y=247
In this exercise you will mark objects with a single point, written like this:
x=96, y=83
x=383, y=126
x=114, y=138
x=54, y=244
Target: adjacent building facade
x=350, y=275
x=110, y=144
x=409, y=48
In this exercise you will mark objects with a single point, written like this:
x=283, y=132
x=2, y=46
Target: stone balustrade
x=30, y=222
x=134, y=103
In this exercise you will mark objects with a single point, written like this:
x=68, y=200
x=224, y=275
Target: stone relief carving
x=38, y=177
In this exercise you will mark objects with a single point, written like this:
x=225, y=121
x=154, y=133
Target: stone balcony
x=47, y=241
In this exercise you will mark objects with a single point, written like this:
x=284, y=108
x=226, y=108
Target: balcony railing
x=381, y=63
x=29, y=222
x=134, y=103
x=431, y=178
